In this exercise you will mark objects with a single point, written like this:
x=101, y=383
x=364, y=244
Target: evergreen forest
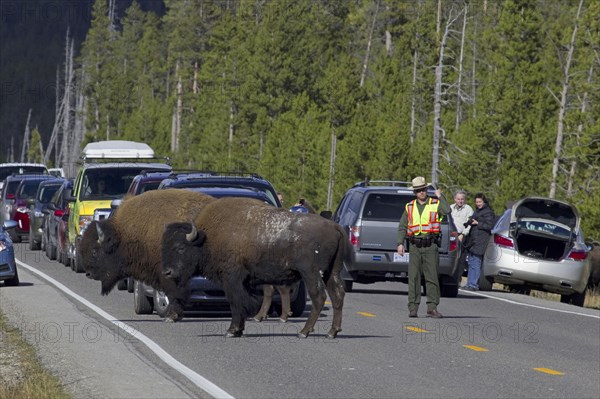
x=499, y=97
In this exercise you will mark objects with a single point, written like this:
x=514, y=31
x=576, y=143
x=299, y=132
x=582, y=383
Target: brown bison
x=594, y=255
x=242, y=243
x=128, y=243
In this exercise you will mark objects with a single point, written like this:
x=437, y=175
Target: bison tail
x=337, y=262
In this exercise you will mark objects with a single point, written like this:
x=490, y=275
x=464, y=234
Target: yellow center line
x=327, y=303
x=549, y=371
x=476, y=348
x=416, y=329
x=366, y=314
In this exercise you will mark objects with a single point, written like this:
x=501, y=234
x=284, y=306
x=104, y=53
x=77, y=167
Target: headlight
x=84, y=222
x=2, y=246
x=38, y=214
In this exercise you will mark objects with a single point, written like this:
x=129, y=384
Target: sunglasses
x=420, y=190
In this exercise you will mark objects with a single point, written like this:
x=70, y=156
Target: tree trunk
x=438, y=132
x=563, y=107
x=365, y=65
x=460, y=72
x=413, y=104
x=26, y=135
x=330, y=183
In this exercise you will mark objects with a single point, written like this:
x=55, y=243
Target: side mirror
x=114, y=204
x=68, y=196
x=9, y=224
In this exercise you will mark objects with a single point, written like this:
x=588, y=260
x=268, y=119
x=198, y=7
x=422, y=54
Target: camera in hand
x=469, y=222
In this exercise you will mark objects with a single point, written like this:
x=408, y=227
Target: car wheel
x=44, y=238
x=76, y=265
x=449, y=290
x=13, y=282
x=122, y=284
x=130, y=284
x=575, y=298
x=348, y=285
x=299, y=304
x=485, y=284
x=51, y=251
x=141, y=303
x=161, y=303
x=33, y=245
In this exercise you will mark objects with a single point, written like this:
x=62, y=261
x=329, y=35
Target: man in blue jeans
x=481, y=223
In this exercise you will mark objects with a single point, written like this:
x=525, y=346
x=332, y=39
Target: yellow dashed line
x=475, y=348
x=416, y=329
x=549, y=371
x=366, y=314
x=327, y=303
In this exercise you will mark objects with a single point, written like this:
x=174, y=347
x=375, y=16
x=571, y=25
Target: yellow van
x=107, y=170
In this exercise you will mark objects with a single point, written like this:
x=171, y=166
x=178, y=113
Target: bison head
x=99, y=255
x=181, y=251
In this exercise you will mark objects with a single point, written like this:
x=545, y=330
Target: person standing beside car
x=461, y=212
x=421, y=224
x=481, y=223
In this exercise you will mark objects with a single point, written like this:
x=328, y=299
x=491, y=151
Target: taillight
x=577, y=255
x=354, y=235
x=503, y=241
x=453, y=241
x=10, y=196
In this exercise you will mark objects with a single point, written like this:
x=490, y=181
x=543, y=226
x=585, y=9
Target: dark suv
x=370, y=213
x=207, y=296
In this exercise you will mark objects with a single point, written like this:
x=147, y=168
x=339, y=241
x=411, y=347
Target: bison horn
x=100, y=234
x=192, y=235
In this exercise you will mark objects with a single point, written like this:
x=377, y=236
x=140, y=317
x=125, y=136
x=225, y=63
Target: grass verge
x=21, y=374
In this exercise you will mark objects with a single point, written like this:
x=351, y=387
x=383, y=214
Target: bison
x=128, y=243
x=242, y=243
x=594, y=255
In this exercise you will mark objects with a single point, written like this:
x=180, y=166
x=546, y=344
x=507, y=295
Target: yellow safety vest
x=429, y=222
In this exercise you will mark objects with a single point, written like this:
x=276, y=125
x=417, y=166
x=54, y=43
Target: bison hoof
x=260, y=318
x=283, y=320
x=333, y=332
x=235, y=334
x=302, y=335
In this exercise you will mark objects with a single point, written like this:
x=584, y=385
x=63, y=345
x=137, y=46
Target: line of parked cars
x=536, y=243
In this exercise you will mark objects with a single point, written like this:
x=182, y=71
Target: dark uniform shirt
x=443, y=209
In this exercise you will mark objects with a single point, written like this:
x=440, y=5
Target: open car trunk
x=544, y=228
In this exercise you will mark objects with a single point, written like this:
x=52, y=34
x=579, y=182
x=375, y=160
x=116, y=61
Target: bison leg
x=316, y=291
x=335, y=288
x=239, y=300
x=266, y=303
x=177, y=298
x=286, y=308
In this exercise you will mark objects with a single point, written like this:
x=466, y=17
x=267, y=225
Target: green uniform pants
x=423, y=261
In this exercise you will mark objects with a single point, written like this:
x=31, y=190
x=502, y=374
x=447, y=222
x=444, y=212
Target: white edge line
x=529, y=305
x=190, y=374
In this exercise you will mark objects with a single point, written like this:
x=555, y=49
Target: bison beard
x=234, y=254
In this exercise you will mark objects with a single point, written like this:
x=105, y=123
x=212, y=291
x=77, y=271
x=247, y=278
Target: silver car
x=537, y=244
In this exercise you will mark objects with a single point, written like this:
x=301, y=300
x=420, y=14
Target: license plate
x=400, y=258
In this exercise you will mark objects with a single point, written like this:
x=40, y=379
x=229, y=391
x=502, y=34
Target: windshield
x=99, y=184
x=46, y=193
x=6, y=171
x=28, y=189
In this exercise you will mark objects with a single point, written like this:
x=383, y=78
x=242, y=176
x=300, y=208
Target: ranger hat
x=419, y=182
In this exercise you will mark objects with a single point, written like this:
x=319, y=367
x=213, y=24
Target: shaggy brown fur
x=128, y=244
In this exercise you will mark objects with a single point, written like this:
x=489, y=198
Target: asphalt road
x=488, y=345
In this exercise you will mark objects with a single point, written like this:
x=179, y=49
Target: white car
x=538, y=244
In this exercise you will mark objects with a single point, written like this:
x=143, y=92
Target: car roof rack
x=203, y=174
x=394, y=183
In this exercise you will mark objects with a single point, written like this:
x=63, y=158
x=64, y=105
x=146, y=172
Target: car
x=205, y=295
x=20, y=168
x=537, y=243
x=146, y=181
x=370, y=212
x=25, y=202
x=106, y=173
x=57, y=172
x=45, y=192
x=8, y=267
x=56, y=217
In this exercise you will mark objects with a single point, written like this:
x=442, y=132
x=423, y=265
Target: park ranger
x=421, y=226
